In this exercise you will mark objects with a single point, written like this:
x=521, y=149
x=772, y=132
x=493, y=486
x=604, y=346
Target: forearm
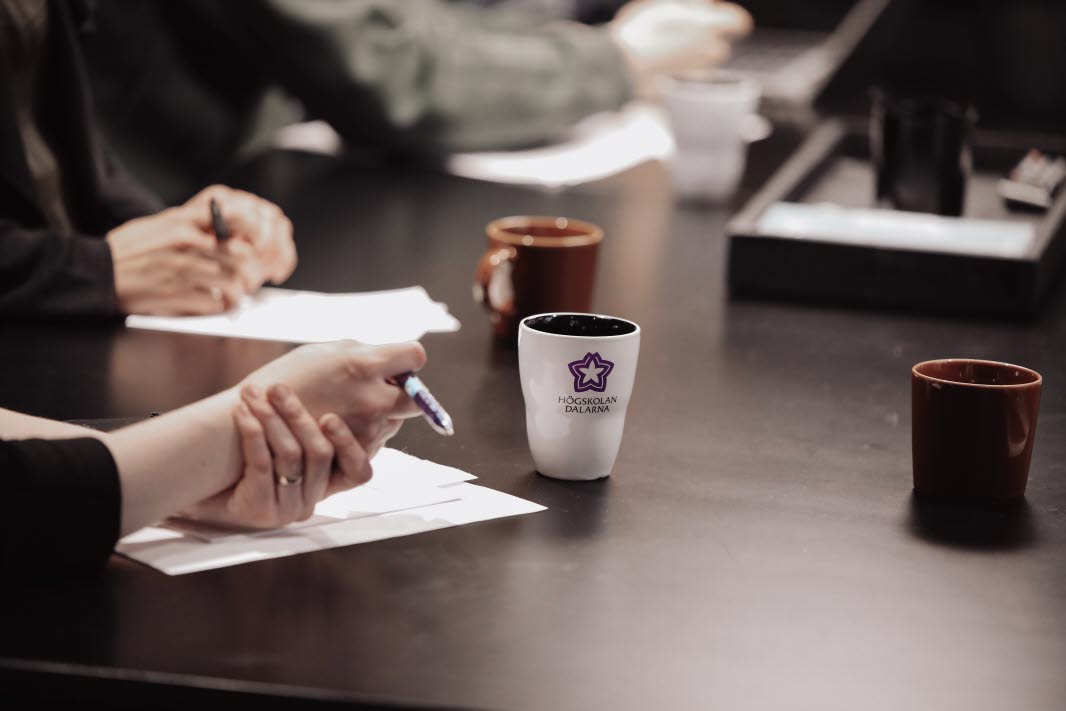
x=536, y=84
x=15, y=425
x=170, y=462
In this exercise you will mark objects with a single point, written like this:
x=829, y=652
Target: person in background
x=187, y=87
x=258, y=455
x=78, y=236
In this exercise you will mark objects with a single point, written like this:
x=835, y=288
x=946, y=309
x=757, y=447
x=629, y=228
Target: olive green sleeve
x=442, y=77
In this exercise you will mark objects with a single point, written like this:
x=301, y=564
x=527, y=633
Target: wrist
x=171, y=462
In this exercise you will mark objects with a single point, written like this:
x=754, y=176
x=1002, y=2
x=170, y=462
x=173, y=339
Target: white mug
x=713, y=118
x=577, y=374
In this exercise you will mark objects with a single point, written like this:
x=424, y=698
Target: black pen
x=217, y=223
x=431, y=409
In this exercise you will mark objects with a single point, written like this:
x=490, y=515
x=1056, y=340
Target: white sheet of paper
x=312, y=317
x=363, y=501
x=177, y=554
x=398, y=470
x=400, y=481
x=598, y=147
x=897, y=229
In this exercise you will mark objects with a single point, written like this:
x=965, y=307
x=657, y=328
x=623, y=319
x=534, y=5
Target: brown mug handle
x=491, y=261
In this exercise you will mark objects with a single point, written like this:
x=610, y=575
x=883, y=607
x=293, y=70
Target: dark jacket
x=63, y=507
x=42, y=272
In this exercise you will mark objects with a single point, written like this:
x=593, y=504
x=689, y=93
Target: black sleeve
x=62, y=507
x=44, y=273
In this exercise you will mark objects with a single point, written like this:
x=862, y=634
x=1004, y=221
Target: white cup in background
x=713, y=118
x=577, y=374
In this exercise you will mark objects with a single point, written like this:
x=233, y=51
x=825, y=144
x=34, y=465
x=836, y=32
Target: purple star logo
x=590, y=373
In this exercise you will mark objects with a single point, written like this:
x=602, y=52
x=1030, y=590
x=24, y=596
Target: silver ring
x=289, y=480
x=216, y=293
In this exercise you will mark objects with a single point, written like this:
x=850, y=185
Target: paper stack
x=311, y=317
x=406, y=495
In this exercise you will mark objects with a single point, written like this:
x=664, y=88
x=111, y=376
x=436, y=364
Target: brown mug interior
x=544, y=231
x=976, y=372
x=535, y=231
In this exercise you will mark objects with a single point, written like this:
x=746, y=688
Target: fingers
x=712, y=52
x=285, y=449
x=317, y=450
x=192, y=303
x=400, y=405
x=353, y=464
x=392, y=427
x=259, y=221
x=184, y=234
x=243, y=212
x=207, y=274
x=382, y=362
x=373, y=434
x=165, y=230
x=387, y=429
x=240, y=214
x=247, y=265
x=668, y=37
x=196, y=303
x=256, y=499
x=737, y=23
x=286, y=262
x=188, y=283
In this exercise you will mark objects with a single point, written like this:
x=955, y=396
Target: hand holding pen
x=239, y=253
x=435, y=415
x=255, y=231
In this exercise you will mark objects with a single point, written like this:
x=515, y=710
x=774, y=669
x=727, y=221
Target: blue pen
x=438, y=419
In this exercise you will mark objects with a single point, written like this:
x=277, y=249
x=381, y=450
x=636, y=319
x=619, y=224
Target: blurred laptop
x=796, y=46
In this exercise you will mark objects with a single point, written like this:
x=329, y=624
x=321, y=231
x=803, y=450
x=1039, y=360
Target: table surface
x=757, y=547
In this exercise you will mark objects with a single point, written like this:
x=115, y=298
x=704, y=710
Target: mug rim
x=689, y=83
x=497, y=230
x=634, y=324
x=1037, y=380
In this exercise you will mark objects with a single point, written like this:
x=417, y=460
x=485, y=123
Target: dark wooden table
x=757, y=546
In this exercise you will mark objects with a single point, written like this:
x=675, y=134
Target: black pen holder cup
x=920, y=148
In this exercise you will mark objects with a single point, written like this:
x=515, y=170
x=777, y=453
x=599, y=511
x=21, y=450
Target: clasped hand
x=313, y=418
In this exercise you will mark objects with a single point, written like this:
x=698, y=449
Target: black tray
x=833, y=166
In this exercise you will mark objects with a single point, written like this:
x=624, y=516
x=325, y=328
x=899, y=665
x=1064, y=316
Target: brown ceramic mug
x=972, y=427
x=536, y=265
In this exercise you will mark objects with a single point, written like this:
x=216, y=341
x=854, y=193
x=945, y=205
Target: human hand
x=661, y=37
x=168, y=264
x=291, y=462
x=261, y=234
x=349, y=379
